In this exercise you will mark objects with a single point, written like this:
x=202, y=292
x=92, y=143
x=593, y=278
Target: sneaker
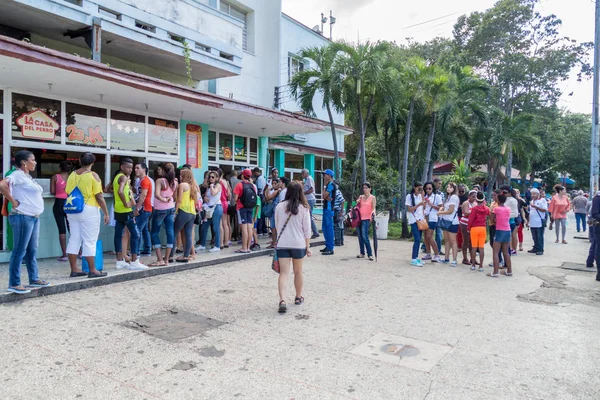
x=539, y=253
x=445, y=261
x=416, y=263
x=473, y=268
x=453, y=264
x=532, y=251
x=513, y=252
x=200, y=248
x=122, y=264
x=315, y=236
x=436, y=259
x=442, y=253
x=328, y=253
x=426, y=257
x=480, y=269
x=323, y=250
x=137, y=266
x=215, y=250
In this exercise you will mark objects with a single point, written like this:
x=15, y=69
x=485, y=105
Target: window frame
x=244, y=21
x=302, y=65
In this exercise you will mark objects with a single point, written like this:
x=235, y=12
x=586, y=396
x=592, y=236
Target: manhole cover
x=403, y=351
x=174, y=325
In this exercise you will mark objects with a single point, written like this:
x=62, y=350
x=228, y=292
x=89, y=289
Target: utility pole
x=594, y=168
x=331, y=22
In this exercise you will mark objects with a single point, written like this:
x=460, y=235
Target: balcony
x=135, y=34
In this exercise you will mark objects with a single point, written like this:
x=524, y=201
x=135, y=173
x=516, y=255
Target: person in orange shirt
x=559, y=206
x=477, y=230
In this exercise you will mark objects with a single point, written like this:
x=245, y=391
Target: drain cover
x=174, y=325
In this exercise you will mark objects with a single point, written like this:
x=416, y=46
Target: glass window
x=253, y=151
x=86, y=126
x=35, y=118
x=163, y=136
x=241, y=150
x=271, y=160
x=294, y=66
x=240, y=15
x=127, y=131
x=212, y=146
x=294, y=161
x=226, y=147
x=327, y=163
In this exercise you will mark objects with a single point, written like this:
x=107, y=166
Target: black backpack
x=248, y=197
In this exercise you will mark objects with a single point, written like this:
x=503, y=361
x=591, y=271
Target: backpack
x=75, y=201
x=338, y=198
x=248, y=197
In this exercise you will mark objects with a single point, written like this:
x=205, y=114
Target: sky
x=423, y=20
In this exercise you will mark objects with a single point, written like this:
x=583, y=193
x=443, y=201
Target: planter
x=382, y=223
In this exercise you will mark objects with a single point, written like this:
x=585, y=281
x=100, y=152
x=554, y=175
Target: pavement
x=367, y=330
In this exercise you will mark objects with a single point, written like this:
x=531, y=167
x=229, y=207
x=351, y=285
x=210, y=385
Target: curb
x=133, y=275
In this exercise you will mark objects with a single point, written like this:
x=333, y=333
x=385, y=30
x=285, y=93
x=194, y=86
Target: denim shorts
x=432, y=225
x=502, y=237
x=453, y=229
x=296, y=254
x=245, y=216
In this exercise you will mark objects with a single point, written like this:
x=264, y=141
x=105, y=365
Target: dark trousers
x=538, y=239
x=597, y=250
x=592, y=253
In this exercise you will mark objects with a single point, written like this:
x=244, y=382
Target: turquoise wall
x=198, y=172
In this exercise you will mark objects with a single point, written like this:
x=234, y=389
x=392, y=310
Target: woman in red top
x=559, y=206
x=477, y=230
x=367, y=203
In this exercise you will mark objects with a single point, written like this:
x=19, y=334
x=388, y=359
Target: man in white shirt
x=537, y=221
x=309, y=192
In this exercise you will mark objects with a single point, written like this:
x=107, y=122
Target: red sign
x=78, y=135
x=37, y=124
x=193, y=141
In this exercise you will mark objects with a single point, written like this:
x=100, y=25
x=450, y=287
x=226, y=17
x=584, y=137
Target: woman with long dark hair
x=58, y=183
x=292, y=218
x=449, y=213
x=185, y=210
x=367, y=204
x=214, y=211
x=165, y=191
x=225, y=228
x=433, y=201
x=415, y=205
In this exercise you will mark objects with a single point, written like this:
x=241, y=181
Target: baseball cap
x=247, y=173
x=329, y=172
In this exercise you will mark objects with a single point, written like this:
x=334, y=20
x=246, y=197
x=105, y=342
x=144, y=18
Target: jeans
x=142, y=224
x=580, y=217
x=438, y=237
x=185, y=221
x=215, y=222
x=597, y=250
x=363, y=237
x=134, y=235
x=591, y=254
x=313, y=224
x=26, y=233
x=417, y=236
x=160, y=217
x=538, y=239
x=328, y=229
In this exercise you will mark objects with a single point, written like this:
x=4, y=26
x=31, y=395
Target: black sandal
x=98, y=275
x=298, y=300
x=77, y=274
x=182, y=259
x=282, y=307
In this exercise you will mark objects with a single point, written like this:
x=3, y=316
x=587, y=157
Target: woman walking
x=367, y=204
x=449, y=215
x=292, y=218
x=85, y=226
x=434, y=203
x=25, y=195
x=164, y=213
x=501, y=217
x=415, y=206
x=185, y=210
x=214, y=211
x=476, y=230
x=58, y=183
x=559, y=206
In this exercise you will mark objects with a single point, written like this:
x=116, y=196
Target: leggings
x=60, y=217
x=557, y=226
x=185, y=221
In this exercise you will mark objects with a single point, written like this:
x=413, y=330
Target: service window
x=35, y=119
x=127, y=131
x=163, y=136
x=86, y=126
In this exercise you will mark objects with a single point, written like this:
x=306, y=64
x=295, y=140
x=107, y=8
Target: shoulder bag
x=75, y=202
x=446, y=224
x=275, y=262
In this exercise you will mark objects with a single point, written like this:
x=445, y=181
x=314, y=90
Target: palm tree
x=321, y=78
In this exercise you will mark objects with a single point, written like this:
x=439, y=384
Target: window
x=294, y=66
x=35, y=118
x=253, y=151
x=86, y=126
x=294, y=161
x=127, y=131
x=225, y=147
x=108, y=13
x=145, y=26
x=241, y=150
x=212, y=146
x=240, y=15
x=163, y=136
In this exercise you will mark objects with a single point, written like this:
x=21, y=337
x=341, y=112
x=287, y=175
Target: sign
x=227, y=153
x=76, y=134
x=301, y=137
x=193, y=141
x=38, y=125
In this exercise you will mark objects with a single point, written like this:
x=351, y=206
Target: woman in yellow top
x=185, y=208
x=85, y=226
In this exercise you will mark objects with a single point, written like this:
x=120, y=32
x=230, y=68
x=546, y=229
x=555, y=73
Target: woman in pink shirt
x=292, y=219
x=559, y=206
x=58, y=183
x=501, y=217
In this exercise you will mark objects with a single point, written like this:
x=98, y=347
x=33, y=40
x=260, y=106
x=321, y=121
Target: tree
x=322, y=78
x=574, y=158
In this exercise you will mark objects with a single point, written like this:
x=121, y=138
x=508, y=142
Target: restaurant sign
x=38, y=125
x=93, y=135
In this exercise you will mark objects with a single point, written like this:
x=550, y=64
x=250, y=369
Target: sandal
x=39, y=283
x=564, y=242
x=77, y=274
x=556, y=241
x=98, y=275
x=360, y=256
x=158, y=264
x=491, y=274
x=507, y=273
x=182, y=259
x=18, y=289
x=171, y=261
x=282, y=307
x=298, y=300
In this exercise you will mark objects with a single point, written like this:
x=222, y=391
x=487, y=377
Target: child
x=477, y=231
x=501, y=216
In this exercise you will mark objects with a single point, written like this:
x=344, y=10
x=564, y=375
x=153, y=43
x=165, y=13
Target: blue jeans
x=160, y=217
x=185, y=221
x=438, y=237
x=592, y=252
x=580, y=217
x=313, y=225
x=215, y=222
x=538, y=239
x=26, y=233
x=134, y=235
x=328, y=229
x=363, y=237
x=417, y=236
x=142, y=224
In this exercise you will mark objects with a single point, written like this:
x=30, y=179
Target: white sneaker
x=137, y=266
x=214, y=250
x=200, y=248
x=122, y=264
x=436, y=259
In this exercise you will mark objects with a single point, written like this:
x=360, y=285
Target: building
x=180, y=81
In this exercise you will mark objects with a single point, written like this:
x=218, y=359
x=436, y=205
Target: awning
x=31, y=68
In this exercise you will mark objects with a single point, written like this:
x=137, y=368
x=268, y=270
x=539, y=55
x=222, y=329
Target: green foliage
x=187, y=58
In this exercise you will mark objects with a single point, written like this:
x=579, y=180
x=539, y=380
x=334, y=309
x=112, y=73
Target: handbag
x=75, y=202
x=268, y=208
x=210, y=212
x=421, y=223
x=275, y=262
x=544, y=220
x=446, y=224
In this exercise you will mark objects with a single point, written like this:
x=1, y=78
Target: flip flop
x=182, y=259
x=492, y=275
x=242, y=252
x=77, y=274
x=507, y=273
x=98, y=275
x=158, y=264
x=38, y=283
